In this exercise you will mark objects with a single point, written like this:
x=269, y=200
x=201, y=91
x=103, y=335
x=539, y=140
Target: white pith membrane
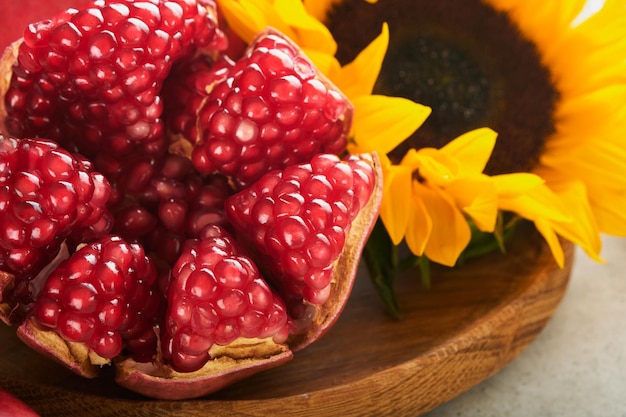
x=228, y=363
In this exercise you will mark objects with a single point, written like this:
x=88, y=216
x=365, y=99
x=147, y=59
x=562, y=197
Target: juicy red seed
x=74, y=327
x=297, y=218
x=202, y=285
x=172, y=214
x=134, y=222
x=102, y=295
x=216, y=295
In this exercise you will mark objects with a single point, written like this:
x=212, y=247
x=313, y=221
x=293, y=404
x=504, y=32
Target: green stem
x=381, y=259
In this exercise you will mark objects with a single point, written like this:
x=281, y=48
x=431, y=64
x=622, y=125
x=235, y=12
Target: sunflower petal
x=437, y=168
x=247, y=18
x=381, y=123
x=357, y=78
x=312, y=33
x=538, y=203
x=583, y=231
x=419, y=227
x=395, y=209
x=318, y=8
x=552, y=240
x=510, y=185
x=450, y=233
x=478, y=198
x=473, y=149
x=609, y=212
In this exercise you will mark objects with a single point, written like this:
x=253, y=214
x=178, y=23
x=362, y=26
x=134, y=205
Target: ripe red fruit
x=176, y=299
x=11, y=406
x=270, y=109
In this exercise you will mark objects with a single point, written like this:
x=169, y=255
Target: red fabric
x=16, y=15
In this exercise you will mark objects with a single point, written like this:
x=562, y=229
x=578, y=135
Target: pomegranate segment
x=91, y=77
x=47, y=197
x=217, y=297
x=271, y=109
x=103, y=297
x=298, y=219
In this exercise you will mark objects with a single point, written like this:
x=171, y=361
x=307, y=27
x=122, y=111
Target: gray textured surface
x=577, y=365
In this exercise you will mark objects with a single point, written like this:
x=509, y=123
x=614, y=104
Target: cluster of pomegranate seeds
x=90, y=79
x=169, y=206
x=46, y=195
x=152, y=274
x=217, y=296
x=272, y=109
x=103, y=296
x=299, y=218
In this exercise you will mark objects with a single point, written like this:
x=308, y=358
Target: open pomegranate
x=182, y=214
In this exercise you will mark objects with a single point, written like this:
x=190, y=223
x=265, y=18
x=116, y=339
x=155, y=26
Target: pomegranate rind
x=323, y=317
x=13, y=406
x=234, y=363
x=74, y=356
x=6, y=286
x=9, y=57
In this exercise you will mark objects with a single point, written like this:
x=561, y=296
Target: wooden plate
x=469, y=325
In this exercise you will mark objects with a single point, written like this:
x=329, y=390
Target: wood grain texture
x=470, y=324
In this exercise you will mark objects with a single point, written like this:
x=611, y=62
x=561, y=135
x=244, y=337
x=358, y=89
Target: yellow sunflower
x=557, y=142
x=377, y=118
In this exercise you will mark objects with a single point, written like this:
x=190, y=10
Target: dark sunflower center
x=466, y=61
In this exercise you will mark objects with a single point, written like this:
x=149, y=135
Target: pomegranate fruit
x=11, y=406
x=181, y=214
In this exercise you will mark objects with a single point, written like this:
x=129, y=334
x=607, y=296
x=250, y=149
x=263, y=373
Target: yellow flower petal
x=510, y=185
x=395, y=209
x=584, y=231
x=326, y=64
x=609, y=212
x=420, y=226
x=248, y=17
x=357, y=78
x=552, y=240
x=538, y=203
x=478, y=198
x=435, y=167
x=319, y=8
x=473, y=149
x=450, y=233
x=381, y=123
x=312, y=33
